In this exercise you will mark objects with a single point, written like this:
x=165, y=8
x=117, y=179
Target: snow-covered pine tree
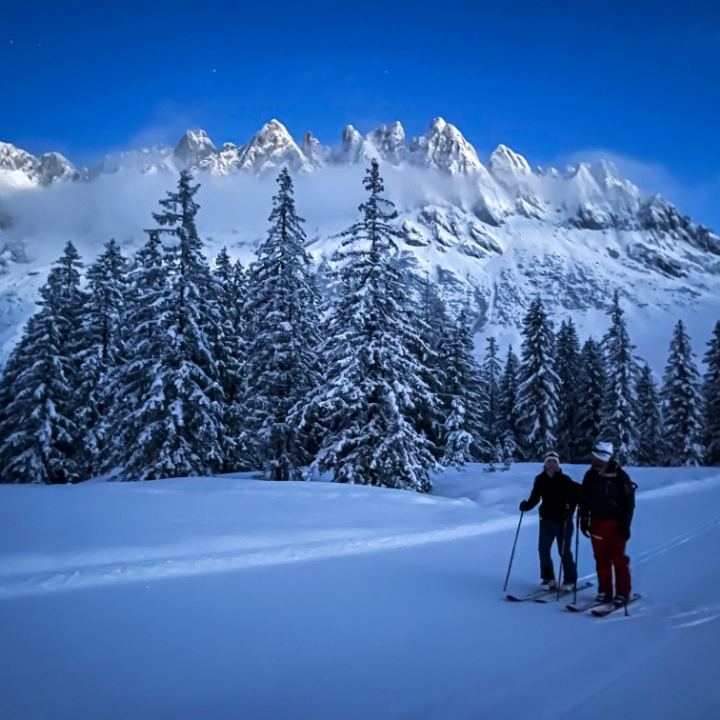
x=432, y=331
x=591, y=386
x=176, y=428
x=230, y=353
x=132, y=379
x=711, y=393
x=567, y=366
x=39, y=435
x=466, y=434
x=372, y=377
x=537, y=394
x=98, y=349
x=619, y=423
x=682, y=404
x=650, y=445
x=512, y=437
x=282, y=366
x=491, y=376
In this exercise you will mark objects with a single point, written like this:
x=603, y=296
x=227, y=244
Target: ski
x=583, y=606
x=539, y=595
x=531, y=596
x=554, y=594
x=608, y=608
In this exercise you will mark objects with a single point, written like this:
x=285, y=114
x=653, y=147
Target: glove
x=624, y=533
x=585, y=526
x=523, y=506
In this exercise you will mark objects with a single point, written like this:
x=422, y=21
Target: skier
x=559, y=495
x=607, y=502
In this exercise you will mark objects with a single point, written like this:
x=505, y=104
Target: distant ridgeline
x=160, y=365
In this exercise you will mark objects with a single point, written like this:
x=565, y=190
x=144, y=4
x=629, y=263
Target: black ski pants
x=551, y=532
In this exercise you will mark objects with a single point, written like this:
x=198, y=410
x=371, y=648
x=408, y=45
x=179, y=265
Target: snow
x=492, y=238
x=194, y=147
x=21, y=170
x=230, y=597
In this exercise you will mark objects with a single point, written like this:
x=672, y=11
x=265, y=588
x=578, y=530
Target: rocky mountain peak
x=271, y=147
x=56, y=167
x=508, y=167
x=316, y=153
x=21, y=169
x=389, y=142
x=13, y=158
x=194, y=146
x=444, y=148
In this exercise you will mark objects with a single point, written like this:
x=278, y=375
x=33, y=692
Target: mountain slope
x=492, y=237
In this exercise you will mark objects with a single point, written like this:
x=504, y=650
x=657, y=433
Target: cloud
x=233, y=212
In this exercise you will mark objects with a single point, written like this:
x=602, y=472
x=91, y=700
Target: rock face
x=444, y=148
x=491, y=237
x=21, y=169
x=271, y=148
x=194, y=147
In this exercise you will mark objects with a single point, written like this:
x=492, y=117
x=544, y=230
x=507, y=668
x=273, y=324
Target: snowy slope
x=492, y=236
x=234, y=598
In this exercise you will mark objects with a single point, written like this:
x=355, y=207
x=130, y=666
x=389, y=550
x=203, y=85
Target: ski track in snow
x=24, y=576
x=20, y=583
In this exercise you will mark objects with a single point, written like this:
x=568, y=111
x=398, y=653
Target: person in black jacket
x=559, y=495
x=607, y=503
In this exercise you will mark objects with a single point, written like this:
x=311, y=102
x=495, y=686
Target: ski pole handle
x=512, y=555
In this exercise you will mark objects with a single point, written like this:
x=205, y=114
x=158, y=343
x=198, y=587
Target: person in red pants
x=607, y=503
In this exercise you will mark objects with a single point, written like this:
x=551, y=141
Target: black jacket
x=610, y=496
x=559, y=495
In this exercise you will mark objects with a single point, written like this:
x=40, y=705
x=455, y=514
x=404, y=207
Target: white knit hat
x=552, y=455
x=603, y=451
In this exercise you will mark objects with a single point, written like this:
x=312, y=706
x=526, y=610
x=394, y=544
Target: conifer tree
x=230, y=352
x=567, y=367
x=682, y=404
x=711, y=393
x=176, y=427
x=537, y=394
x=650, y=447
x=132, y=380
x=619, y=424
x=491, y=375
x=372, y=377
x=282, y=366
x=99, y=348
x=466, y=434
x=511, y=421
x=39, y=435
x=429, y=414
x=591, y=386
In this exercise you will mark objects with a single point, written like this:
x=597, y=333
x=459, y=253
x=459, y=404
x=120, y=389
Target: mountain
x=20, y=169
x=492, y=236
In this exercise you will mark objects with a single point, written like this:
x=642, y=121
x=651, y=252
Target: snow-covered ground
x=234, y=598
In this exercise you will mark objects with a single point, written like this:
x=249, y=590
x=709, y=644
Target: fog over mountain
x=492, y=233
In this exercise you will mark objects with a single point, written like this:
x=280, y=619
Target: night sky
x=556, y=81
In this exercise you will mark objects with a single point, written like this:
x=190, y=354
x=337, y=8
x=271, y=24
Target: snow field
x=234, y=598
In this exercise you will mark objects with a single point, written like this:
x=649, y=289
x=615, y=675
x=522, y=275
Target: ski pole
x=562, y=555
x=577, y=551
x=512, y=555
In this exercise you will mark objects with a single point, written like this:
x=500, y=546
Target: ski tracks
x=21, y=583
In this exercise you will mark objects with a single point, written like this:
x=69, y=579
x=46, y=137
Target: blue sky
x=553, y=80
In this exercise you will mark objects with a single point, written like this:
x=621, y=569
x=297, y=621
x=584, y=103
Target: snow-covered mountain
x=492, y=235
x=20, y=169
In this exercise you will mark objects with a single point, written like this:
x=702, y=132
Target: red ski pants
x=609, y=549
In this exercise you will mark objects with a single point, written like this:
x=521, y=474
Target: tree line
x=162, y=365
